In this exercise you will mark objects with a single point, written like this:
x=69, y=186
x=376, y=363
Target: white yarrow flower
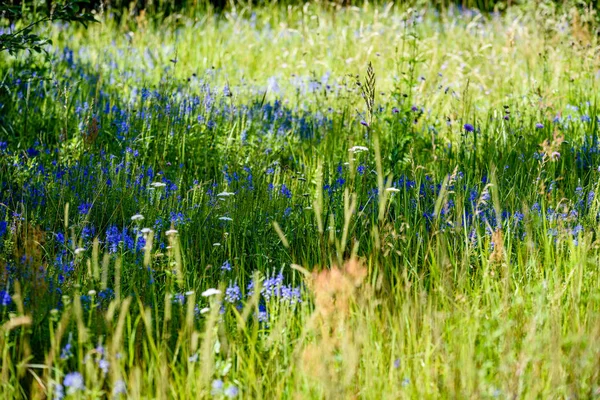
x=358, y=149
x=79, y=250
x=225, y=194
x=137, y=217
x=210, y=292
x=158, y=184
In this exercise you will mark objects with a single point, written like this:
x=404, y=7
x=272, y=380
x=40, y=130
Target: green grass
x=437, y=263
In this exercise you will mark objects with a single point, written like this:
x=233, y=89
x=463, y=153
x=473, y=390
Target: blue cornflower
x=539, y=125
x=469, y=127
x=5, y=299
x=285, y=191
x=84, y=208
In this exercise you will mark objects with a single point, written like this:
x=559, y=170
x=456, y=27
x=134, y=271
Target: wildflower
x=84, y=208
x=233, y=293
x=119, y=388
x=469, y=127
x=210, y=292
x=358, y=149
x=171, y=232
x=226, y=266
x=225, y=219
x=103, y=365
x=392, y=190
x=217, y=386
x=66, y=352
x=539, y=125
x=285, y=191
x=5, y=298
x=74, y=382
x=158, y=184
x=179, y=299
x=79, y=250
x=204, y=310
x=137, y=217
x=231, y=392
x=59, y=391
x=225, y=194
x=364, y=123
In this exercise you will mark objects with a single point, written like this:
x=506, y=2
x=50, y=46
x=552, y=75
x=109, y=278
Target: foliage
x=26, y=38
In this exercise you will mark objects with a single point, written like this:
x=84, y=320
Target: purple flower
x=539, y=125
x=364, y=123
x=469, y=127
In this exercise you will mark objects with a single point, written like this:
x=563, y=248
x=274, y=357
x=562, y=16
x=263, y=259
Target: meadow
x=303, y=202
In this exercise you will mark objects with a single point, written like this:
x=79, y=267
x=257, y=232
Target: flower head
x=74, y=382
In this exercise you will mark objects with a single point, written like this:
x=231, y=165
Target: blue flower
x=469, y=127
x=226, y=266
x=5, y=299
x=74, y=382
x=285, y=191
x=231, y=392
x=233, y=293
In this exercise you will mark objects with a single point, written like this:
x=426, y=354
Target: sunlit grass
x=292, y=224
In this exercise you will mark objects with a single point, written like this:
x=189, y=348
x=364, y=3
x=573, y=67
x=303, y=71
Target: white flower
x=145, y=231
x=158, y=184
x=210, y=292
x=204, y=310
x=216, y=244
x=392, y=190
x=225, y=219
x=137, y=217
x=171, y=232
x=225, y=194
x=189, y=293
x=79, y=250
x=92, y=292
x=358, y=149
